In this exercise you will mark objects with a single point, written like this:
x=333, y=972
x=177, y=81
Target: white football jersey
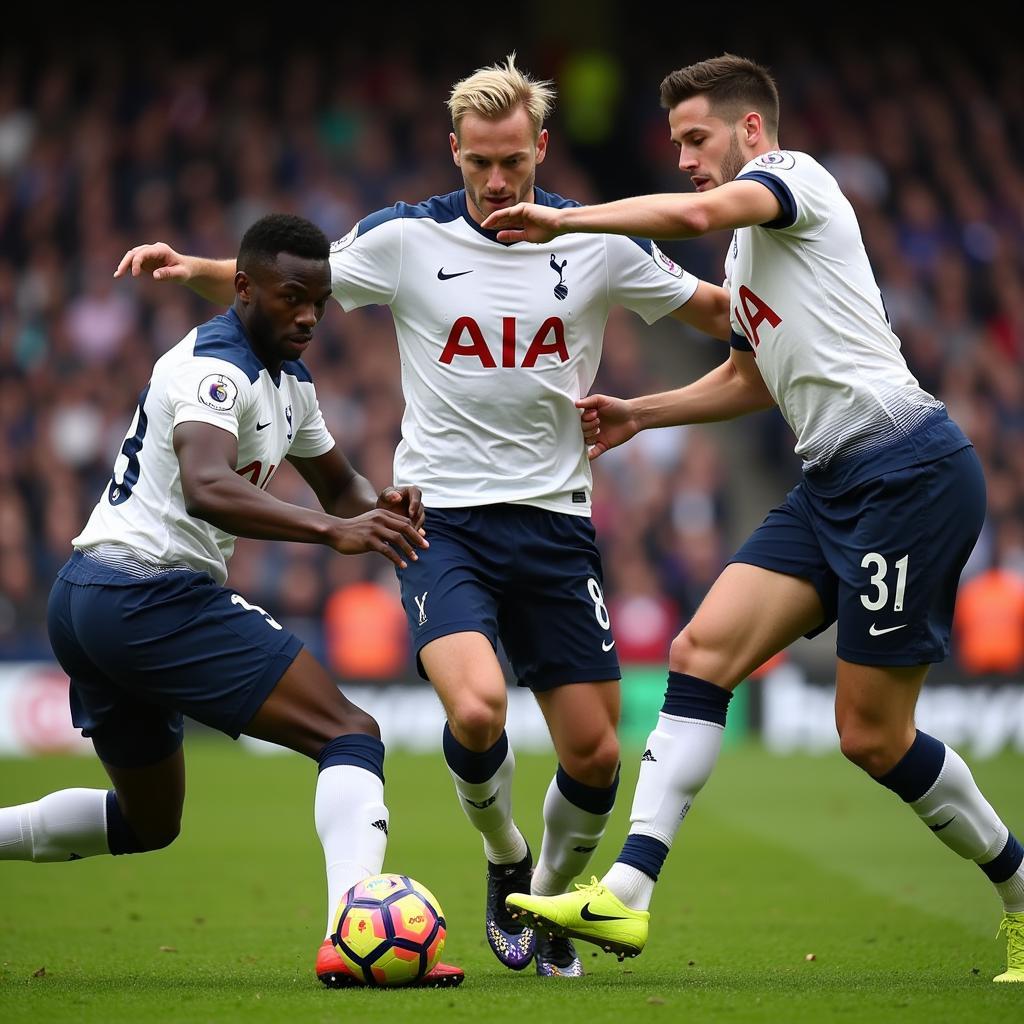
x=804, y=298
x=211, y=376
x=497, y=342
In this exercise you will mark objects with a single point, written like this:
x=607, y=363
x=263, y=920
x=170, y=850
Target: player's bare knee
x=356, y=720
x=868, y=749
x=681, y=652
x=595, y=763
x=310, y=734
x=691, y=653
x=155, y=835
x=347, y=721
x=476, y=724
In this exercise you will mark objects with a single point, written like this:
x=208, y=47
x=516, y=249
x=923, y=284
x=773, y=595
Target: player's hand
x=606, y=423
x=379, y=530
x=524, y=222
x=406, y=501
x=158, y=259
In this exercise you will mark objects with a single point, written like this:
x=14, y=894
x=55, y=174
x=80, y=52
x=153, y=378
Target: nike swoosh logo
x=588, y=915
x=442, y=276
x=260, y=426
x=875, y=631
x=605, y=646
x=939, y=828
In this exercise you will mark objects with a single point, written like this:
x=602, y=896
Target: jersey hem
x=567, y=507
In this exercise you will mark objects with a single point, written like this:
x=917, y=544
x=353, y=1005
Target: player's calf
x=934, y=780
x=350, y=814
x=575, y=816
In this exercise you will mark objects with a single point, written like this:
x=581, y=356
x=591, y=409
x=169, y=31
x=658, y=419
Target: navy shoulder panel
x=223, y=337
x=542, y=198
x=780, y=190
x=441, y=209
x=298, y=369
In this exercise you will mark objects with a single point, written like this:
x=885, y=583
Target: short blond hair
x=495, y=91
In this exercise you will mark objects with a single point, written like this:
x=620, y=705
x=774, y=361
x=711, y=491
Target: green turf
x=778, y=860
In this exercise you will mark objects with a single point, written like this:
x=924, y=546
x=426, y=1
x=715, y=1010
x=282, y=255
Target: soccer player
x=142, y=623
x=497, y=343
x=874, y=537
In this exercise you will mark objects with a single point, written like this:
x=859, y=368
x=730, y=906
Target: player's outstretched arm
x=214, y=280
x=737, y=204
x=732, y=389
x=214, y=492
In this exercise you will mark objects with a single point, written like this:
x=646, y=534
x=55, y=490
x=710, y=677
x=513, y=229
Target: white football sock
x=67, y=825
x=677, y=761
x=957, y=813
x=352, y=823
x=630, y=884
x=488, y=805
x=1011, y=892
x=570, y=837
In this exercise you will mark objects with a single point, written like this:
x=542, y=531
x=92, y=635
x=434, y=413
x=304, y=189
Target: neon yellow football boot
x=592, y=913
x=1013, y=925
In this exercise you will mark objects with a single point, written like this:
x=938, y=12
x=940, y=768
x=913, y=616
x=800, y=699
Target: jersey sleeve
x=210, y=391
x=366, y=263
x=805, y=190
x=312, y=438
x=642, y=278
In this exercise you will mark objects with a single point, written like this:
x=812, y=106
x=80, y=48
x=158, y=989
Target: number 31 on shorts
x=879, y=571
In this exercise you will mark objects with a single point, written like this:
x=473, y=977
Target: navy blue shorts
x=142, y=652
x=885, y=556
x=521, y=574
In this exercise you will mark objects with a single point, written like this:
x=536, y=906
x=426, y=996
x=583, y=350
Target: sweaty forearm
x=358, y=497
x=721, y=394
x=213, y=280
x=236, y=506
x=657, y=216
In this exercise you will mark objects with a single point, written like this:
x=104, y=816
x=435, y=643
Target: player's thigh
x=583, y=719
x=127, y=730
x=464, y=670
x=898, y=545
x=151, y=797
x=305, y=710
x=875, y=712
x=749, y=615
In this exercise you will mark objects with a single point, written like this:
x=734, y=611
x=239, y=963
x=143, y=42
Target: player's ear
x=243, y=286
x=453, y=141
x=542, y=145
x=753, y=127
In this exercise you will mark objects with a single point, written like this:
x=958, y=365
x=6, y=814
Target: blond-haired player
x=498, y=342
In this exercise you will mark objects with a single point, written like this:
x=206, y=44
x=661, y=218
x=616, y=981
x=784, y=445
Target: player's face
x=498, y=160
x=709, y=148
x=282, y=304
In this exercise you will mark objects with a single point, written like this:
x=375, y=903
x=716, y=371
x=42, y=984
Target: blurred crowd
x=100, y=150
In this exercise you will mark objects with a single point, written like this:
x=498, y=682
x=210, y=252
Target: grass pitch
x=797, y=891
